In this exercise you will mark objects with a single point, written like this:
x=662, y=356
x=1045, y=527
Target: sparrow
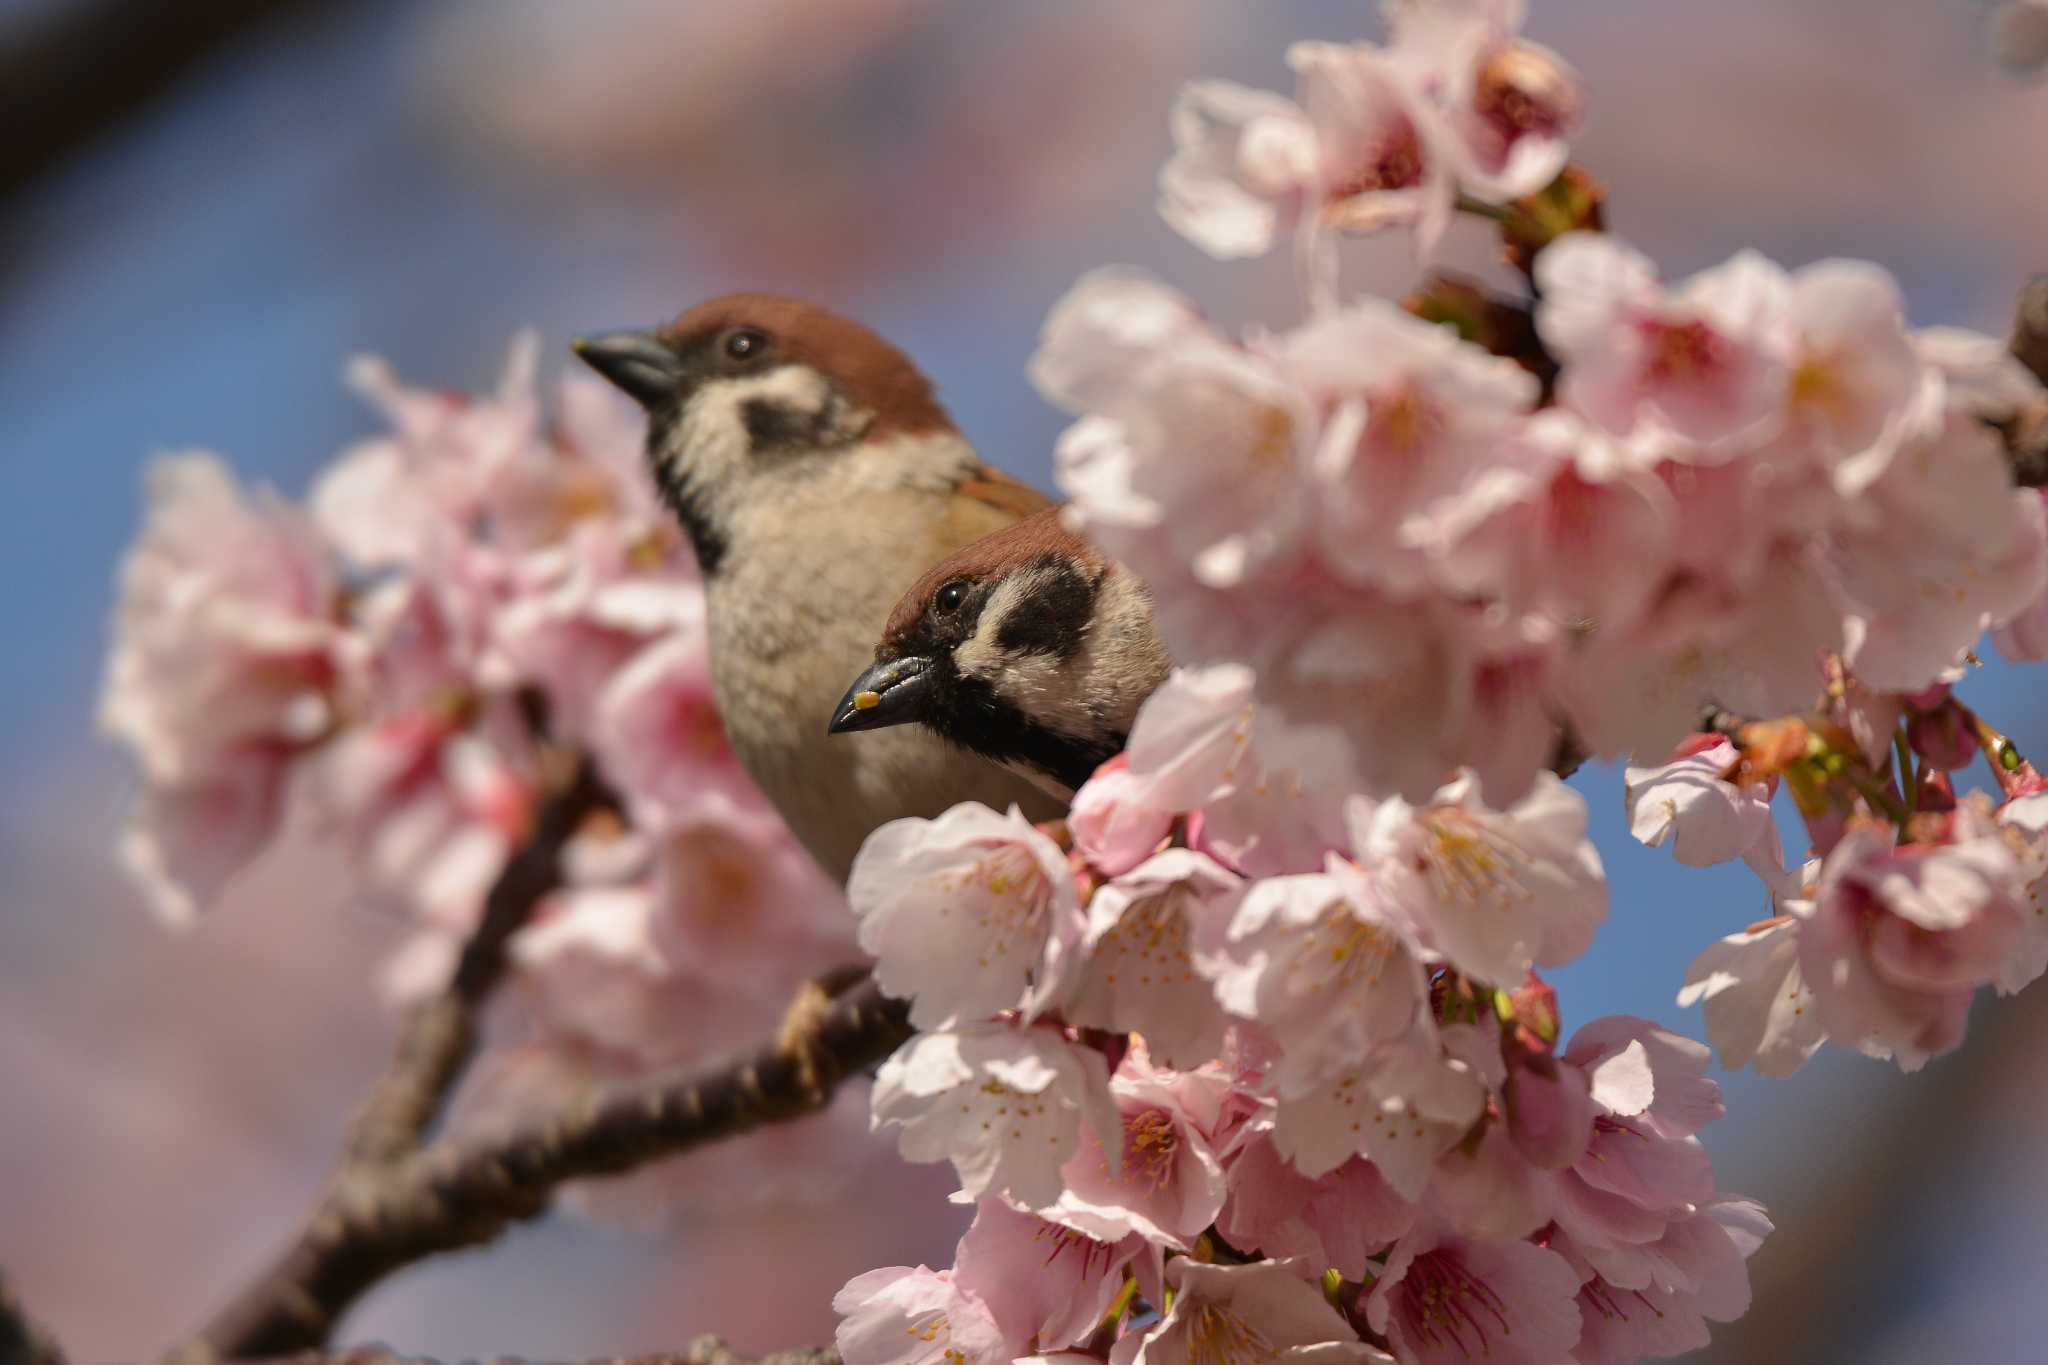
x=1029, y=647
x=816, y=476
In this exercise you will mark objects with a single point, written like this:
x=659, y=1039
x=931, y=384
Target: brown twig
x=439, y=1035
x=22, y=1344
x=461, y=1194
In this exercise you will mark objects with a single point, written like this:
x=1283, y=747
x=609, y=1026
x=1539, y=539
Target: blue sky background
x=420, y=181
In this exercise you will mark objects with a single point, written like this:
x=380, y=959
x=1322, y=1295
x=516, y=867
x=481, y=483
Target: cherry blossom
x=1759, y=1009
x=1493, y=892
x=1113, y=823
x=182, y=844
x=1853, y=374
x=1689, y=803
x=1402, y=1111
x=963, y=912
x=1135, y=967
x=227, y=631
x=1898, y=937
x=1263, y=1311
x=1360, y=152
x=1165, y=1181
x=444, y=458
x=1445, y=1298
x=1192, y=750
x=584, y=609
x=1425, y=416
x=2023, y=823
x=1938, y=548
x=1004, y=1103
x=1634, y=352
x=1266, y=1006
x=1437, y=680
x=1485, y=1187
x=2022, y=636
x=230, y=658
x=1381, y=159
x=1509, y=106
x=1569, y=522
x=1325, y=970
x=1341, y=1219
x=904, y=1316
x=1701, y=1276
x=1046, y=1285
x=657, y=734
x=1244, y=161
x=1180, y=470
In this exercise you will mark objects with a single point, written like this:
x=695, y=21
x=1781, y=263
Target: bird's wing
x=985, y=501
x=1003, y=493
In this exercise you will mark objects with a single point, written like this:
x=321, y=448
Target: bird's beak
x=637, y=362
x=888, y=694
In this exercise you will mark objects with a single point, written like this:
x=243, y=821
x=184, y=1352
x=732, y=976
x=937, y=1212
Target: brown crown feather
x=872, y=372
x=1039, y=534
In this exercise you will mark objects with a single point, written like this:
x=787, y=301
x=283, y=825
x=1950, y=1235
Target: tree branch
x=72, y=73
x=460, y=1194
x=22, y=1344
x=439, y=1036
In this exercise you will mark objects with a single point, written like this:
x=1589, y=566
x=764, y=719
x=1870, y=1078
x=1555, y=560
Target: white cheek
x=711, y=447
x=1040, y=685
x=981, y=657
x=1098, y=689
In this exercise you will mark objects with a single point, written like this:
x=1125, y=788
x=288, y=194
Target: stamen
x=1342, y=953
x=1217, y=1336
x=1015, y=903
x=1444, y=1304
x=1151, y=1145
x=1466, y=862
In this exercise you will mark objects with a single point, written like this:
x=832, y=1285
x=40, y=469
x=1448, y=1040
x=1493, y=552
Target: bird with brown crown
x=817, y=477
x=1028, y=647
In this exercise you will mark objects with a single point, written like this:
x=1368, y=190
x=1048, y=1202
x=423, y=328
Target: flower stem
x=1479, y=208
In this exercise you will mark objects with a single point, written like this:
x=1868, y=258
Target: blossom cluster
x=1737, y=478
x=1284, y=1107
x=1757, y=492
x=381, y=667
x=1252, y=1058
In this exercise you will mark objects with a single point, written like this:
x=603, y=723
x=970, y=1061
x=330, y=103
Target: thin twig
x=464, y=1193
x=22, y=1344
x=440, y=1035
x=436, y=1041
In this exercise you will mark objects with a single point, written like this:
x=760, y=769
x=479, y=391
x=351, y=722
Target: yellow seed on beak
x=866, y=701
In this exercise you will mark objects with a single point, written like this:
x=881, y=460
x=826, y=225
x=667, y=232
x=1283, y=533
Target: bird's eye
x=948, y=598
x=744, y=343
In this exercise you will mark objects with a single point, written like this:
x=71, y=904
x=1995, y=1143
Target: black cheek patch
x=1054, y=618
x=770, y=423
